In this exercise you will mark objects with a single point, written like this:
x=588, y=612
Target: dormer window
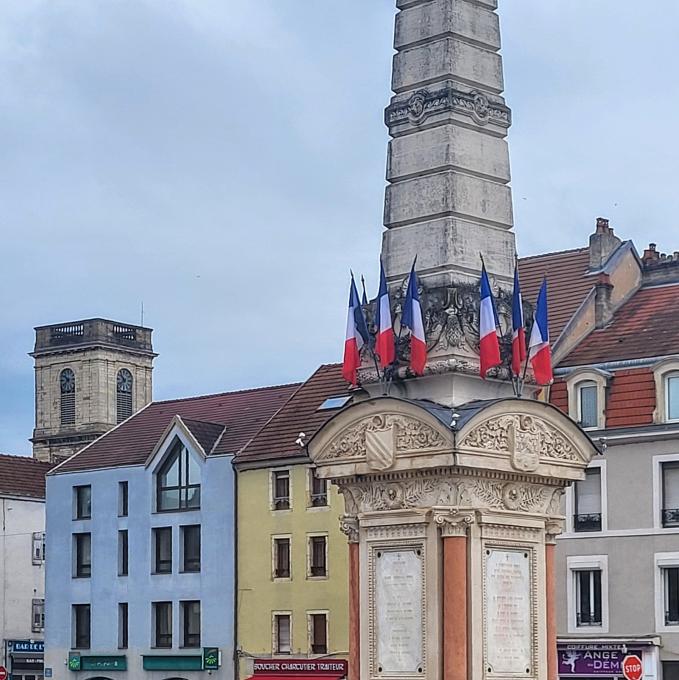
x=588, y=406
x=666, y=377
x=178, y=481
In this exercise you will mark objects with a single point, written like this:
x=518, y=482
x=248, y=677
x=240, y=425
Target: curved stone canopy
x=512, y=435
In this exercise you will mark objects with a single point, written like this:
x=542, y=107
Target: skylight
x=332, y=403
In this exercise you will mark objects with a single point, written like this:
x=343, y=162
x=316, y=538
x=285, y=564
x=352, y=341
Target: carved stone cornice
x=475, y=104
x=350, y=528
x=454, y=522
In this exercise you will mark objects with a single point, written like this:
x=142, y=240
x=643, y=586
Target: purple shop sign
x=593, y=661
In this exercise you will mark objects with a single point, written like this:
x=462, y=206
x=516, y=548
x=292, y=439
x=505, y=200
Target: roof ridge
x=553, y=252
x=18, y=456
x=225, y=394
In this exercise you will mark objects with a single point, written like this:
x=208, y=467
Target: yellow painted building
x=292, y=559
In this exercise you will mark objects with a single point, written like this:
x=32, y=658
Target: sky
x=222, y=162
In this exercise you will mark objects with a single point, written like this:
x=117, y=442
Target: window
x=672, y=396
x=81, y=626
x=318, y=633
x=162, y=541
x=281, y=557
x=67, y=388
x=281, y=489
x=83, y=502
x=123, y=559
x=191, y=548
x=122, y=625
x=588, y=404
x=83, y=555
x=124, y=385
x=37, y=615
x=38, y=547
x=319, y=489
x=317, y=556
x=670, y=576
x=282, y=633
x=162, y=621
x=333, y=403
x=178, y=481
x=587, y=515
x=670, y=493
x=123, y=504
x=588, y=597
x=191, y=624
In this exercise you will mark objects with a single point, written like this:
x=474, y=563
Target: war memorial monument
x=452, y=484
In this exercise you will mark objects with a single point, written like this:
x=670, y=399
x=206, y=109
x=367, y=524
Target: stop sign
x=632, y=668
x=3, y=673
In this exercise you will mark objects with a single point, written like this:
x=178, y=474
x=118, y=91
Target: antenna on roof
x=142, y=314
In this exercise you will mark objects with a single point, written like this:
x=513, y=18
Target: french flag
x=489, y=345
x=356, y=336
x=385, y=347
x=518, y=330
x=539, y=351
x=412, y=319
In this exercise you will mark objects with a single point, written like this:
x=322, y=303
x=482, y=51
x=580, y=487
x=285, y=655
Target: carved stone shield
x=524, y=445
x=380, y=446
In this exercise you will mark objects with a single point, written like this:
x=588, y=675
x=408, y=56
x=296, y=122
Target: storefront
x=602, y=659
x=25, y=659
x=307, y=669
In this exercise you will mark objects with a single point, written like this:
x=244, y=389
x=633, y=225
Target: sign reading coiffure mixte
x=327, y=668
x=590, y=662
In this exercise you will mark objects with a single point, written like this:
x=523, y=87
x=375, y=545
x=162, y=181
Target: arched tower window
x=124, y=385
x=67, y=387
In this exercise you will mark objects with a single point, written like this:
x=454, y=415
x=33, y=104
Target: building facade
x=292, y=556
x=89, y=376
x=22, y=566
x=617, y=348
x=141, y=533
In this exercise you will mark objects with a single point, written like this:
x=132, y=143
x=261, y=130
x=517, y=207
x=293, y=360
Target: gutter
x=614, y=365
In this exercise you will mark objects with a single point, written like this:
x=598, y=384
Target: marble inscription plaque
x=507, y=619
x=398, y=611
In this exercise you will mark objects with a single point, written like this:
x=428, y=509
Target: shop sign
x=74, y=661
x=103, y=663
x=211, y=658
x=26, y=646
x=329, y=668
x=172, y=663
x=48, y=672
x=593, y=661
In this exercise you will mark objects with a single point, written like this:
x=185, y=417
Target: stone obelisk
x=448, y=200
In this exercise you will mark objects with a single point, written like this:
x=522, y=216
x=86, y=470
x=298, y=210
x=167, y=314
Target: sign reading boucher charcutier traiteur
x=398, y=605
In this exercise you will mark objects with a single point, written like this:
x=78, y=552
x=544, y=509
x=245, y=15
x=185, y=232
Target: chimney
x=602, y=244
x=650, y=254
x=603, y=308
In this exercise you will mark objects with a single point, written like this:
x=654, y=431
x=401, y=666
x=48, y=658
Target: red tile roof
x=239, y=414
x=300, y=414
x=568, y=281
x=22, y=476
x=645, y=326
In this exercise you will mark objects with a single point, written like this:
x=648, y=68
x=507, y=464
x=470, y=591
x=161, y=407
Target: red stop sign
x=3, y=673
x=632, y=668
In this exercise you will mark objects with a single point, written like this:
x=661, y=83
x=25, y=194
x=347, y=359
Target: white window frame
x=579, y=379
x=272, y=488
x=658, y=490
x=274, y=538
x=662, y=561
x=317, y=534
x=578, y=563
x=570, y=502
x=309, y=618
x=274, y=633
x=661, y=372
x=38, y=614
x=38, y=547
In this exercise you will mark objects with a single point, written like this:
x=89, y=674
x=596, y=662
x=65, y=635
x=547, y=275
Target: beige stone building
x=89, y=376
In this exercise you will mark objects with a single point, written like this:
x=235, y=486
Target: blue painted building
x=140, y=578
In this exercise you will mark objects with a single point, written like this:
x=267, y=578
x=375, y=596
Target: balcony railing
x=670, y=517
x=319, y=499
x=588, y=522
x=588, y=619
x=281, y=503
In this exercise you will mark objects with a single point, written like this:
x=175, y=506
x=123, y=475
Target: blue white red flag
x=518, y=330
x=540, y=353
x=489, y=345
x=356, y=336
x=412, y=319
x=385, y=347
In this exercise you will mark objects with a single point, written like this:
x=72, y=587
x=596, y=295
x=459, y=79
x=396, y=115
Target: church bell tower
x=89, y=376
